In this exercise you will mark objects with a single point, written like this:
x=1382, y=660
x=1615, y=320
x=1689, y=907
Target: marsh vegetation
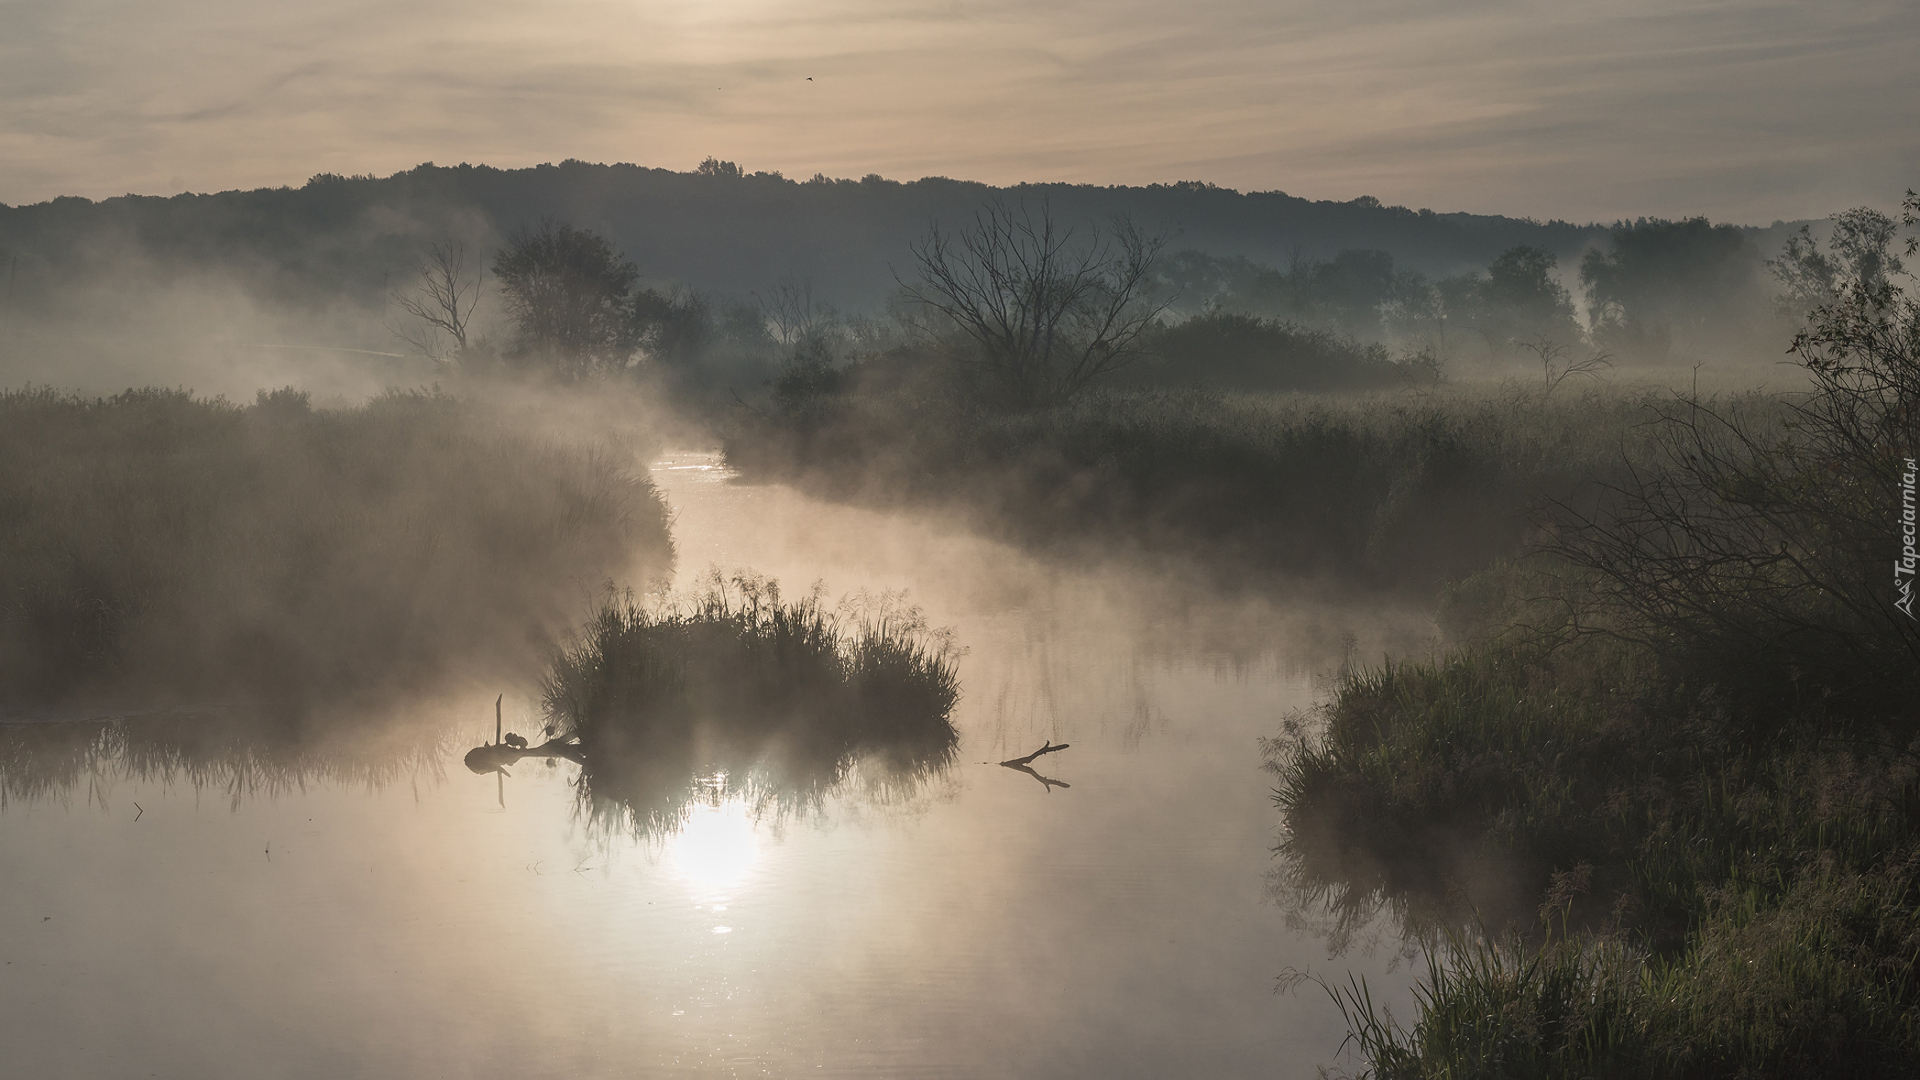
x=734, y=692
x=1657, y=816
x=1380, y=492
x=1651, y=812
x=163, y=548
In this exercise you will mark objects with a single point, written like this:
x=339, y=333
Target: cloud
x=1745, y=110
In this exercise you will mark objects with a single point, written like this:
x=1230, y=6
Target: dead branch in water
x=1046, y=781
x=1016, y=763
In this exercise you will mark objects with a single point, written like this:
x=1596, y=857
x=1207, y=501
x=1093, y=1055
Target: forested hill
x=720, y=231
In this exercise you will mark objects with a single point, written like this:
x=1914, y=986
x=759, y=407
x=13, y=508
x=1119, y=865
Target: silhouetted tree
x=1859, y=255
x=1768, y=540
x=442, y=300
x=1231, y=351
x=567, y=290
x=1349, y=292
x=1664, y=277
x=1197, y=281
x=1515, y=306
x=1358, y=292
x=1045, y=315
x=1520, y=301
x=674, y=328
x=797, y=321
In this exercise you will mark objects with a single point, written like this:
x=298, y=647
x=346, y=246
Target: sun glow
x=716, y=850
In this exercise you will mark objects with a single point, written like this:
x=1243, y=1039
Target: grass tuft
x=733, y=691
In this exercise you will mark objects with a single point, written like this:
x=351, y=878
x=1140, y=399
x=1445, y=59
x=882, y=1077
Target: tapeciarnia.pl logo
x=1903, y=567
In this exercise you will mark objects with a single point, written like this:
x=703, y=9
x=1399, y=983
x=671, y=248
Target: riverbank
x=1658, y=814
x=164, y=548
x=1397, y=492
x=1653, y=813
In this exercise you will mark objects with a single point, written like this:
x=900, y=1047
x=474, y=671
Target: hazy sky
x=1742, y=110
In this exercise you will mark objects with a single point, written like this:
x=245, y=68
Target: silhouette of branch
x=1047, y=781
x=1019, y=763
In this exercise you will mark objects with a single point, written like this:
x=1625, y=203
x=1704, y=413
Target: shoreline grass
x=1614, y=873
x=1387, y=492
x=1658, y=813
x=164, y=549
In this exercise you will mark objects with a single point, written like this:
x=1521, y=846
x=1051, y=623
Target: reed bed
x=161, y=549
x=1394, y=491
x=1672, y=766
x=1612, y=874
x=734, y=692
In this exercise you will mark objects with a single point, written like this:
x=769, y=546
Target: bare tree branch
x=442, y=300
x=1045, y=313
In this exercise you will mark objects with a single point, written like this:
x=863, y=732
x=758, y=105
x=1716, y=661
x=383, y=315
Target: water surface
x=327, y=922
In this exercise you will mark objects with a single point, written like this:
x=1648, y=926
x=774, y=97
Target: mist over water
x=1337, y=540
x=611, y=678
x=976, y=924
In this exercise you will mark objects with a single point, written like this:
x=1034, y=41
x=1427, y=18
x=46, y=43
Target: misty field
x=1389, y=492
x=159, y=548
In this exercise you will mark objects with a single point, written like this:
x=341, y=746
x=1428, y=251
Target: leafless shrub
x=1046, y=314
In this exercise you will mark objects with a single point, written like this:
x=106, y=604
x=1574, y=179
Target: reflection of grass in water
x=736, y=694
x=1439, y=792
x=239, y=755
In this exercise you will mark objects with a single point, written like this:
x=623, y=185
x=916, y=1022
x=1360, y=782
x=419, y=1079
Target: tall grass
x=1687, y=735
x=1615, y=874
x=156, y=547
x=735, y=691
x=1390, y=491
x=1819, y=982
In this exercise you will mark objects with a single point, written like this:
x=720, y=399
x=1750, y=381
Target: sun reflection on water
x=716, y=849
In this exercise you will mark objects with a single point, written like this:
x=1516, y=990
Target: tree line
x=1657, y=288
x=1030, y=309
x=575, y=306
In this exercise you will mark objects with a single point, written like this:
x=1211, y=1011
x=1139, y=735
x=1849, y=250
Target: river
x=425, y=921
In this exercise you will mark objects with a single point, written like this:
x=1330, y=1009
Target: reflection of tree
x=647, y=780
x=241, y=755
x=1350, y=900
x=1047, y=782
